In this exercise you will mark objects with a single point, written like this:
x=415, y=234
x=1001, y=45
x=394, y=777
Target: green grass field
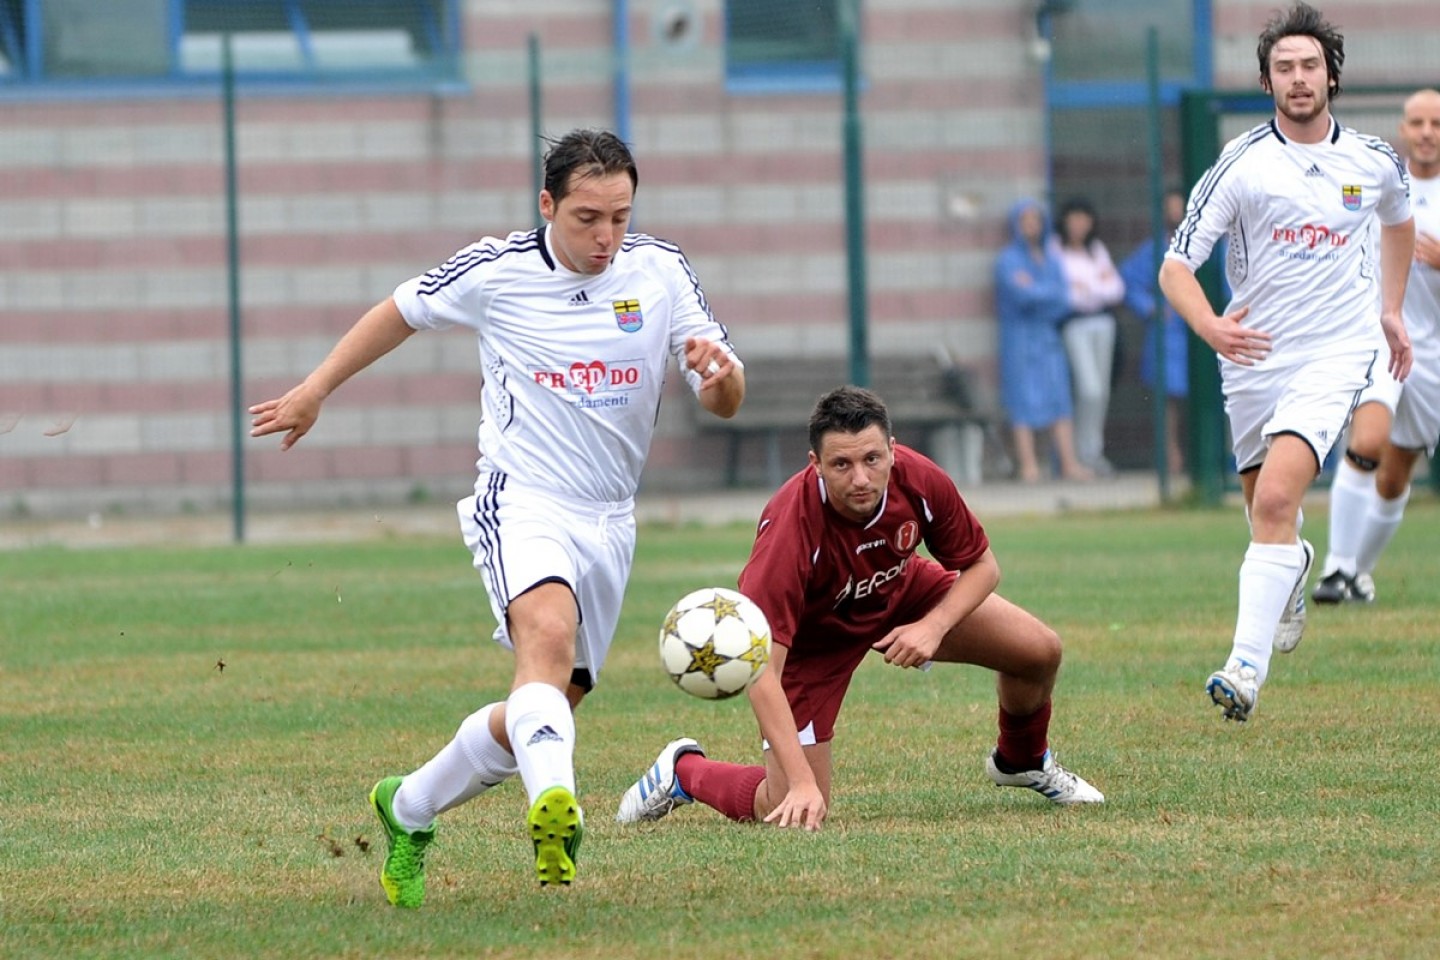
x=153, y=804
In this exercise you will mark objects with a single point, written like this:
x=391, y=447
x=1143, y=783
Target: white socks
x=541, y=726
x=1381, y=524
x=1267, y=578
x=466, y=767
x=1351, y=494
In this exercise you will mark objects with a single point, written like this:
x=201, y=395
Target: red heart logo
x=587, y=375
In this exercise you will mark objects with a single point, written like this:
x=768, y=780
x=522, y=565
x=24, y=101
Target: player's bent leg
x=775, y=786
x=1006, y=638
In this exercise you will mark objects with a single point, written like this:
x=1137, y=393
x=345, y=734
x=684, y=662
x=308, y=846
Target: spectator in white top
x=1095, y=289
x=1300, y=197
x=577, y=323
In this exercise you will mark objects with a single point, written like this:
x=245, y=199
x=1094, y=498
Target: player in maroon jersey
x=835, y=569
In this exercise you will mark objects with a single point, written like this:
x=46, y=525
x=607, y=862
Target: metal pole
x=1157, y=250
x=232, y=238
x=621, y=28
x=1199, y=132
x=854, y=196
x=537, y=131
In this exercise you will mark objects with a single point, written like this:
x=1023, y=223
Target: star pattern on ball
x=722, y=606
x=705, y=660
x=672, y=623
x=759, y=653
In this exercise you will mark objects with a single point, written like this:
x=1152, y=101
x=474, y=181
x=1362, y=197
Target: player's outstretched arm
x=1224, y=334
x=375, y=334
x=803, y=802
x=722, y=387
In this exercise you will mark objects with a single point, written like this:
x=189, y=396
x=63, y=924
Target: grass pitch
x=187, y=738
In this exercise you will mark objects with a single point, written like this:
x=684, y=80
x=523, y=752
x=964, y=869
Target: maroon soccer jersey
x=831, y=587
x=824, y=579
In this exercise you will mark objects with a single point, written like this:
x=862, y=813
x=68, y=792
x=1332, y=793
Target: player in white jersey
x=577, y=322
x=1298, y=197
x=1394, y=423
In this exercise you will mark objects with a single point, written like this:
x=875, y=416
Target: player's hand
x=803, y=806
x=709, y=360
x=1401, y=356
x=296, y=412
x=1235, y=343
x=912, y=645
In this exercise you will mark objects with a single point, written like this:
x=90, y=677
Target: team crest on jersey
x=627, y=315
x=907, y=537
x=1351, y=195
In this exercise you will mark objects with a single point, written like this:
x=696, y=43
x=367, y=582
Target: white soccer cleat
x=658, y=791
x=1362, y=588
x=1235, y=689
x=1291, y=628
x=1051, y=780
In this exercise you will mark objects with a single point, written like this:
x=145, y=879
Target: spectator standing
x=1138, y=273
x=1030, y=303
x=1094, y=290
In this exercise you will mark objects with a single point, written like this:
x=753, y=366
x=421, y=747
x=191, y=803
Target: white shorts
x=1312, y=400
x=1414, y=405
x=521, y=538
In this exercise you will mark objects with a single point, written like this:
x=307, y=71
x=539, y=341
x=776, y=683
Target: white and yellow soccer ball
x=715, y=642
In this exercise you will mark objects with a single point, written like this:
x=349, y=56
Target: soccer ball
x=715, y=643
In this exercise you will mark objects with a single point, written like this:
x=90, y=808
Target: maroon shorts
x=821, y=661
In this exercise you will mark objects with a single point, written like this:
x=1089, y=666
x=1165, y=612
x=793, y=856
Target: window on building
x=60, y=43
x=783, y=45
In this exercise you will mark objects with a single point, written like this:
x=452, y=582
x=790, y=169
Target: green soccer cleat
x=557, y=825
x=403, y=873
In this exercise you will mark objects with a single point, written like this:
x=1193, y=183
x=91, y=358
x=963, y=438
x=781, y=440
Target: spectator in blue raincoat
x=1031, y=301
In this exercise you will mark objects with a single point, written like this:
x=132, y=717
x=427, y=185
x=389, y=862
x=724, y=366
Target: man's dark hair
x=1303, y=20
x=594, y=153
x=847, y=410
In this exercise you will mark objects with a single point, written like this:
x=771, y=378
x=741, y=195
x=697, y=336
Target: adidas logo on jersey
x=1314, y=171
x=580, y=300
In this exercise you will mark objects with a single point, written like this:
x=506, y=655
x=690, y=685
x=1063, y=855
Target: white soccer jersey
x=1298, y=217
x=573, y=363
x=1422, y=293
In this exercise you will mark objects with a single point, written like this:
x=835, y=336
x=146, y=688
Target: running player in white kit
x=1394, y=423
x=577, y=323
x=1298, y=196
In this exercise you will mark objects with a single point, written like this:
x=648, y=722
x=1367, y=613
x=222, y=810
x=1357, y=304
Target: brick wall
x=114, y=363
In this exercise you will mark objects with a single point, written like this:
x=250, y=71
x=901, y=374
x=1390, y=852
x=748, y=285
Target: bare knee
x=1048, y=652
x=1037, y=661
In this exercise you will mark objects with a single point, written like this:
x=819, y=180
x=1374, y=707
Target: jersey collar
x=1334, y=130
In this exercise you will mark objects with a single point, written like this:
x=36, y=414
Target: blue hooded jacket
x=1031, y=302
x=1139, y=271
